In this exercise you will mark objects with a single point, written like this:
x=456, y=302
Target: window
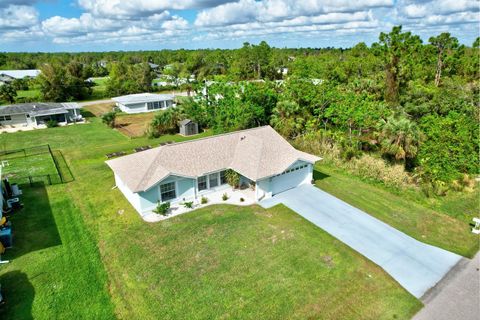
x=202, y=183
x=167, y=191
x=213, y=179
x=223, y=177
x=5, y=118
x=154, y=105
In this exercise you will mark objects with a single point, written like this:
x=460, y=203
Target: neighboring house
x=7, y=76
x=188, y=127
x=153, y=66
x=186, y=171
x=38, y=113
x=144, y=102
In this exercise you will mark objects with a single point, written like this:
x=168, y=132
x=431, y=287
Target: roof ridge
x=150, y=168
x=260, y=156
x=215, y=136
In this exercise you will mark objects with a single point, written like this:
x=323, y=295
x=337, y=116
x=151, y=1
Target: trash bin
x=6, y=237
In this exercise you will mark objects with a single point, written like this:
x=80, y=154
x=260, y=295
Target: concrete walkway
x=457, y=296
x=415, y=265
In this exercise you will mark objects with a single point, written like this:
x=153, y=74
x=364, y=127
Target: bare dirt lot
x=134, y=125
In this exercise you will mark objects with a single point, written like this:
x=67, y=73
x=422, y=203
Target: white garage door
x=289, y=179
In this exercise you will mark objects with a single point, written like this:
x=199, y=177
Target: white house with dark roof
x=7, y=76
x=144, y=102
x=36, y=114
x=186, y=171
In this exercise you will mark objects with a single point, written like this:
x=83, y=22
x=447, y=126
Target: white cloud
x=18, y=17
x=274, y=10
x=90, y=28
x=437, y=7
x=136, y=8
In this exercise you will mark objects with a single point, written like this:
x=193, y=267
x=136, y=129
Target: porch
x=238, y=197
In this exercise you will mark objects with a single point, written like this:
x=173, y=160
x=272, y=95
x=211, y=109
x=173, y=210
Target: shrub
x=225, y=197
x=51, y=123
x=162, y=208
x=188, y=205
x=204, y=200
x=233, y=178
x=109, y=118
x=377, y=169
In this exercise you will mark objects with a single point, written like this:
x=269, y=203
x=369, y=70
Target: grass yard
x=34, y=165
x=216, y=262
x=99, y=90
x=32, y=93
x=427, y=225
x=55, y=271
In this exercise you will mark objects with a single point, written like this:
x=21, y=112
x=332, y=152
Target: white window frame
x=174, y=189
x=217, y=174
x=206, y=183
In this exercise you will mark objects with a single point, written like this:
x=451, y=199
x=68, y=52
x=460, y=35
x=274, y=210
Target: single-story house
x=7, y=76
x=34, y=114
x=188, y=127
x=144, y=102
x=186, y=171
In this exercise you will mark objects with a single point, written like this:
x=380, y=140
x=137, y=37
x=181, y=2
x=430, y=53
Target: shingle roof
x=255, y=153
x=20, y=74
x=38, y=108
x=142, y=98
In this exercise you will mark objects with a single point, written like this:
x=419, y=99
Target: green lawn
x=55, y=271
x=35, y=165
x=217, y=262
x=32, y=93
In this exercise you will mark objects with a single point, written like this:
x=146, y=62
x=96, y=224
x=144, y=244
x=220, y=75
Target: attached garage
x=296, y=175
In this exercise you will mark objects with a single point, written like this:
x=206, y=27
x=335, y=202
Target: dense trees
x=127, y=78
x=8, y=93
x=399, y=99
x=63, y=82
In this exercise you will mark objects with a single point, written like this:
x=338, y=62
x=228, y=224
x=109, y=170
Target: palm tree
x=287, y=118
x=400, y=138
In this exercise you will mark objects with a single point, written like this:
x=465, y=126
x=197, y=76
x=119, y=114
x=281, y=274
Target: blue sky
x=99, y=25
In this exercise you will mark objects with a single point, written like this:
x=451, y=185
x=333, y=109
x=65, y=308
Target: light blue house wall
x=185, y=189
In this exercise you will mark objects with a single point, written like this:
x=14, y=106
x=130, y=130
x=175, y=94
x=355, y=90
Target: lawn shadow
x=34, y=226
x=87, y=114
x=18, y=293
x=317, y=175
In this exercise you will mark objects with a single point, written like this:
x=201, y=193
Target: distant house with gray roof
x=144, y=102
x=7, y=76
x=36, y=114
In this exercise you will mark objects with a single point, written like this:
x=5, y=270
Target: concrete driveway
x=415, y=265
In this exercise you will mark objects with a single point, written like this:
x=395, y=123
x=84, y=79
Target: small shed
x=188, y=127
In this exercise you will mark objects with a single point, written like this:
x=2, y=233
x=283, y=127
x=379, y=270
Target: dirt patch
x=134, y=125
x=100, y=108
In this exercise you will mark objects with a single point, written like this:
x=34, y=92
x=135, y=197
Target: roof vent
x=243, y=138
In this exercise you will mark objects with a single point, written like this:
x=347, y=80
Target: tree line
x=406, y=101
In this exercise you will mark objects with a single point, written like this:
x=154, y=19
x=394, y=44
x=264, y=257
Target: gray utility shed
x=188, y=127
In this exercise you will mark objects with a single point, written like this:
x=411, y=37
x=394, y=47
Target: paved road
x=415, y=265
x=457, y=296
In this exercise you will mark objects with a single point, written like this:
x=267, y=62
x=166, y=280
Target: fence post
x=30, y=179
x=49, y=180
